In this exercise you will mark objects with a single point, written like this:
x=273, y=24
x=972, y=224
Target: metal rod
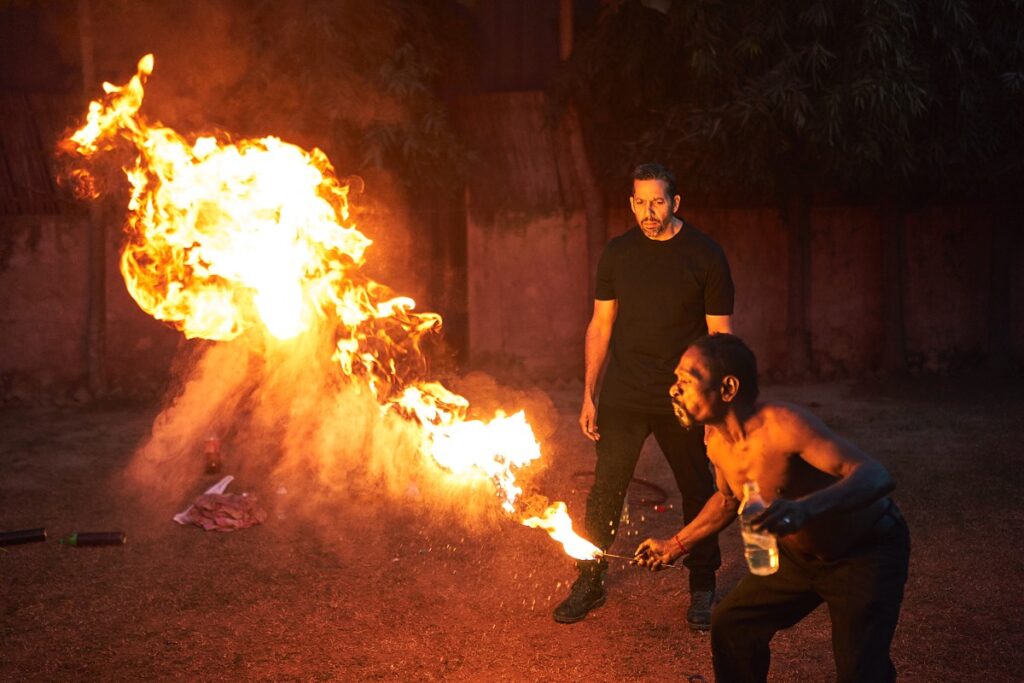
x=617, y=557
x=631, y=559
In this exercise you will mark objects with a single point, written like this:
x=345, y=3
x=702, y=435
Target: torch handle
x=630, y=559
x=88, y=538
x=22, y=536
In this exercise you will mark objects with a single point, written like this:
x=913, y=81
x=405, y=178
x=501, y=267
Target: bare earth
x=368, y=590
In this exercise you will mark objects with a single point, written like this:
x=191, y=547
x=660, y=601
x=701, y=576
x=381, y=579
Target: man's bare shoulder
x=789, y=424
x=768, y=416
x=783, y=412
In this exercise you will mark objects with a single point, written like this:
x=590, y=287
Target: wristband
x=686, y=551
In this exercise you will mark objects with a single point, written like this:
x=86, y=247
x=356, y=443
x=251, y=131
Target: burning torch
x=556, y=521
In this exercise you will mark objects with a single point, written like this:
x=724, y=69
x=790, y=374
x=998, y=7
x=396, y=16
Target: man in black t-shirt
x=660, y=286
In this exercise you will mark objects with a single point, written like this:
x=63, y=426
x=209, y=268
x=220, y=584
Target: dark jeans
x=863, y=592
x=623, y=433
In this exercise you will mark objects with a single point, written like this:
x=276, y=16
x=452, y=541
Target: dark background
x=859, y=163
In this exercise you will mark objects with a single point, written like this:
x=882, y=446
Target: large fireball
x=225, y=238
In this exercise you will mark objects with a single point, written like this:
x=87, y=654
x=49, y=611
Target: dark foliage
x=749, y=99
x=372, y=71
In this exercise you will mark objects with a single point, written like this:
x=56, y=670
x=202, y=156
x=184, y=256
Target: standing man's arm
x=719, y=324
x=599, y=335
x=719, y=294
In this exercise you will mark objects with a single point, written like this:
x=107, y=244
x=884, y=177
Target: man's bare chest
x=778, y=474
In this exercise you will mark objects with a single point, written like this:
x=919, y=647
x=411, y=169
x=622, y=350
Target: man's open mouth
x=683, y=415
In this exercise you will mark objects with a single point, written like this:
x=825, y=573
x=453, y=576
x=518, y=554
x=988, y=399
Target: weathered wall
x=43, y=317
x=526, y=238
x=528, y=276
x=43, y=306
x=946, y=301
x=528, y=299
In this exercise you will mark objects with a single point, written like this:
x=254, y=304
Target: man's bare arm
x=719, y=324
x=599, y=335
x=862, y=479
x=718, y=513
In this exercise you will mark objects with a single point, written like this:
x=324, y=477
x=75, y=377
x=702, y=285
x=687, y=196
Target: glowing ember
x=226, y=238
x=556, y=522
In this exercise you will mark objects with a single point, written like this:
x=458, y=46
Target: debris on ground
x=219, y=511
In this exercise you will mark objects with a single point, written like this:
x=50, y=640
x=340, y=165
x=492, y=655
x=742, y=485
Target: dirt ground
x=368, y=590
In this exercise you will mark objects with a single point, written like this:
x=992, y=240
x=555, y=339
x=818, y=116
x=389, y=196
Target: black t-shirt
x=664, y=289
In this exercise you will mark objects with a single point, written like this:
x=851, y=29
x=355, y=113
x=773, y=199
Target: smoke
x=287, y=417
x=167, y=464
x=294, y=431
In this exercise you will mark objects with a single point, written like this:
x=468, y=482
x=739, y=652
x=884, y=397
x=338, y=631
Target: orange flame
x=556, y=522
x=224, y=238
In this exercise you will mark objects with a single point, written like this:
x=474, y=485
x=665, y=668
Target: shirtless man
x=842, y=541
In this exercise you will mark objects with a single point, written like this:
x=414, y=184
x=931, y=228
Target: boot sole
x=572, y=620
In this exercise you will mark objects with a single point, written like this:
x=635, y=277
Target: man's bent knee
x=724, y=623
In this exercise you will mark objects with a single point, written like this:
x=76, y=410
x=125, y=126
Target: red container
x=211, y=455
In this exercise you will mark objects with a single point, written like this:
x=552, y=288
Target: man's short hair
x=726, y=354
x=656, y=172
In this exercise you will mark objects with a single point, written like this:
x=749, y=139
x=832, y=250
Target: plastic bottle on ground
x=211, y=455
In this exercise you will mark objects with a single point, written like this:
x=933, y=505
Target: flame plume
x=555, y=520
x=226, y=238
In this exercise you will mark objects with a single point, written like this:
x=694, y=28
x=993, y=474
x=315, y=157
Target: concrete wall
x=528, y=305
x=43, y=317
x=528, y=298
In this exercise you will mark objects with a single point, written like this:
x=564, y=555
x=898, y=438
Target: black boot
x=698, y=617
x=587, y=592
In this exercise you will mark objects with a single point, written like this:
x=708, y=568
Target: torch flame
x=231, y=237
x=555, y=520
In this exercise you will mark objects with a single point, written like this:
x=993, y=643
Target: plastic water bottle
x=760, y=548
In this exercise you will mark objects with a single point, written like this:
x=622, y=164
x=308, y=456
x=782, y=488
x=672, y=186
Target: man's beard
x=686, y=419
x=654, y=228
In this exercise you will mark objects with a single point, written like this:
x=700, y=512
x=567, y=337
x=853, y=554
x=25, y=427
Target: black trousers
x=623, y=433
x=863, y=592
